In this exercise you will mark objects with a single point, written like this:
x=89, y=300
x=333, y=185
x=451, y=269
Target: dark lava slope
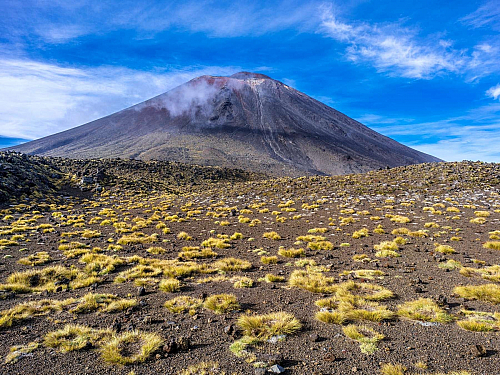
x=247, y=121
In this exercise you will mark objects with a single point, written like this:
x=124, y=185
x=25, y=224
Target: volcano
x=246, y=120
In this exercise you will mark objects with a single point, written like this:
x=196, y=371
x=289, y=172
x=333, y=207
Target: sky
x=425, y=73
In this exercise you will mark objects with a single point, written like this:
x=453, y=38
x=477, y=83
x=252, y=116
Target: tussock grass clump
x=28, y=310
x=320, y=245
x=482, y=213
x=478, y=220
x=45, y=279
x=389, y=369
x=269, y=260
x=262, y=327
x=19, y=351
x=351, y=308
x=73, y=246
x=400, y=219
x=243, y=282
x=370, y=292
x=184, y=236
x=492, y=245
x=386, y=245
x=103, y=303
x=39, y=258
x=216, y=242
x=450, y=264
x=91, y=234
x=169, y=285
x=272, y=236
x=318, y=230
x=183, y=303
x=310, y=238
x=117, y=350
x=491, y=273
x=232, y=264
x=366, y=336
x=291, y=253
x=424, y=309
x=75, y=337
x=100, y=264
x=139, y=271
x=236, y=236
x=270, y=278
x=360, y=233
x=138, y=238
x=363, y=258
x=387, y=254
x=445, y=249
x=203, y=368
x=363, y=274
x=314, y=282
x=221, y=303
x=156, y=250
x=484, y=293
x=194, y=252
x=479, y=321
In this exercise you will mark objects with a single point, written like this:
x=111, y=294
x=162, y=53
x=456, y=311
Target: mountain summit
x=246, y=120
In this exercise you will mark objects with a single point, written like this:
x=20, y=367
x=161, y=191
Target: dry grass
x=291, y=253
x=221, y=303
x=116, y=350
x=232, y=264
x=265, y=326
x=492, y=245
x=366, y=336
x=75, y=337
x=269, y=260
x=183, y=303
x=484, y=293
x=478, y=321
x=491, y=273
x=169, y=285
x=203, y=368
x=370, y=292
x=272, y=236
x=314, y=282
x=39, y=258
x=424, y=309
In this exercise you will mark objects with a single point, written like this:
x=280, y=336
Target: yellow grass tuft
x=424, y=309
x=117, y=350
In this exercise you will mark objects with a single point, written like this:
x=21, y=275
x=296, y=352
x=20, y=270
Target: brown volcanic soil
x=402, y=191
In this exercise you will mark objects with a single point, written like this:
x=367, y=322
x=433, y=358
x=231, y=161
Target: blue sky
x=425, y=73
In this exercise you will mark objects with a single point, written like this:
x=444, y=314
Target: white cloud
x=486, y=14
x=39, y=99
x=472, y=136
x=494, y=91
x=397, y=50
x=215, y=18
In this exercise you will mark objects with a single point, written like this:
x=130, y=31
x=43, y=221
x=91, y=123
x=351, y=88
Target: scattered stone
x=141, y=291
x=229, y=330
x=276, y=369
x=184, y=343
x=478, y=350
x=314, y=337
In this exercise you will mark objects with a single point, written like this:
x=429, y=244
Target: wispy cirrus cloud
x=222, y=18
x=466, y=137
x=487, y=14
x=39, y=99
x=398, y=50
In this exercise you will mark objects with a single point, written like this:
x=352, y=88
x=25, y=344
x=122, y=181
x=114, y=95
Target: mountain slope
x=247, y=120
